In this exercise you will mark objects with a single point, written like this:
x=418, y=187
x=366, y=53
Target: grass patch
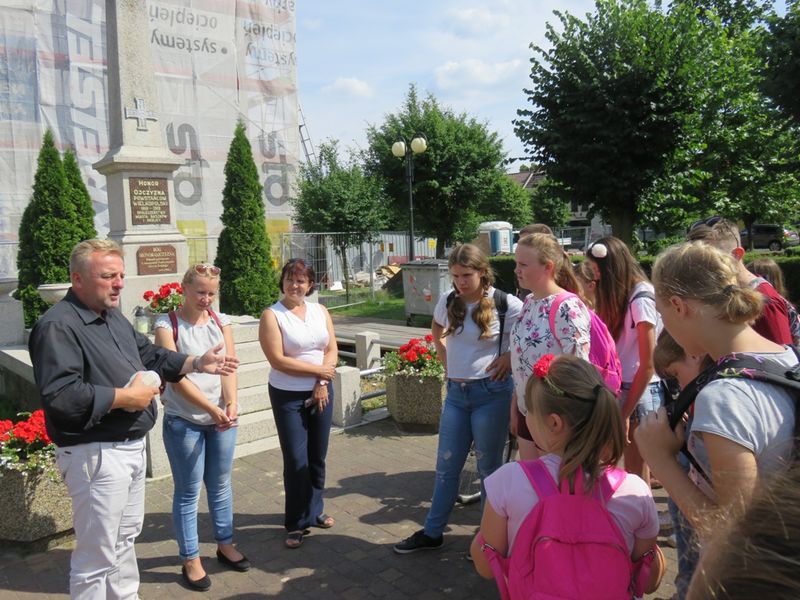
x=373, y=383
x=380, y=308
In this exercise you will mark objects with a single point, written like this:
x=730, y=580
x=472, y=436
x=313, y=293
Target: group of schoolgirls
x=575, y=363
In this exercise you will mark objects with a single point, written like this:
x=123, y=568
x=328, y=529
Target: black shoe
x=240, y=565
x=200, y=585
x=418, y=541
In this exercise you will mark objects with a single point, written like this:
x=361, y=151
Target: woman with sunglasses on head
x=200, y=426
x=624, y=300
x=298, y=340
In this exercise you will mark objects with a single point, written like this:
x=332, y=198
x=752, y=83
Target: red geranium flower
x=412, y=356
x=429, y=338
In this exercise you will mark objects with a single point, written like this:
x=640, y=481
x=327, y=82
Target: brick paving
x=379, y=487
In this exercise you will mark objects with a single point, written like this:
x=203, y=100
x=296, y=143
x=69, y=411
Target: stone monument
x=138, y=166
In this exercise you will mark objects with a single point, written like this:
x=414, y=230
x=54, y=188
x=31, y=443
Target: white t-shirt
x=303, y=339
x=753, y=414
x=639, y=310
x=197, y=340
x=467, y=355
x=512, y=496
x=531, y=337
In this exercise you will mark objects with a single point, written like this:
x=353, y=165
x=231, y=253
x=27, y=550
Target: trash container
x=423, y=282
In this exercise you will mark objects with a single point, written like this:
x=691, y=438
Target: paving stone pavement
x=379, y=486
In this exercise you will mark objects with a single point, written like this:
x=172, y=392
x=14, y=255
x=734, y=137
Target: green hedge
x=790, y=265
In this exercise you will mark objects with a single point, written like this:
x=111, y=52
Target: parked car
x=774, y=237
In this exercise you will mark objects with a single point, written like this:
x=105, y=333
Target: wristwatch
x=196, y=364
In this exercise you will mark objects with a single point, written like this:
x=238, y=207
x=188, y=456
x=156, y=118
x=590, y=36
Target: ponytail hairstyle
x=619, y=273
x=548, y=248
x=470, y=256
x=699, y=271
x=573, y=389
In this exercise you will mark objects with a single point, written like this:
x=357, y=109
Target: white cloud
x=349, y=86
x=476, y=21
x=472, y=73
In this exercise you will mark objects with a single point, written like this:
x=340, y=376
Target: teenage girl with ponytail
x=544, y=269
x=465, y=331
x=742, y=431
x=575, y=419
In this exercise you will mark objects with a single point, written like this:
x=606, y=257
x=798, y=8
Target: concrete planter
x=414, y=402
x=34, y=507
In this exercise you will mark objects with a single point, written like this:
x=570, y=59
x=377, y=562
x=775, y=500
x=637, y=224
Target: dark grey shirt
x=79, y=358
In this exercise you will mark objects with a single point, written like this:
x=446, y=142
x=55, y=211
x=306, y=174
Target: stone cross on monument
x=138, y=166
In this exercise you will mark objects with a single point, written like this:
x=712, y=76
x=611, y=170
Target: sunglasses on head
x=709, y=222
x=205, y=269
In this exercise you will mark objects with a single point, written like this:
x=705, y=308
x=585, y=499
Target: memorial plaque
x=149, y=201
x=154, y=260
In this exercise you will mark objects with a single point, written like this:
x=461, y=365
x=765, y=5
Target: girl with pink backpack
x=569, y=525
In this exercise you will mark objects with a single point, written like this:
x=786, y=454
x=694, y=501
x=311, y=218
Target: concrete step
x=252, y=375
x=249, y=352
x=245, y=329
x=253, y=399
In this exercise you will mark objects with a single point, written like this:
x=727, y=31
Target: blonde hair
x=192, y=274
x=756, y=555
x=769, y=270
x=470, y=256
x=723, y=234
x=574, y=390
x=535, y=228
x=548, y=248
x=79, y=257
x=699, y=271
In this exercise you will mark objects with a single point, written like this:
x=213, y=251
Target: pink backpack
x=569, y=546
x=602, y=349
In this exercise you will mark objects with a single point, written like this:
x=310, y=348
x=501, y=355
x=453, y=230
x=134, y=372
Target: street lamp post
x=400, y=149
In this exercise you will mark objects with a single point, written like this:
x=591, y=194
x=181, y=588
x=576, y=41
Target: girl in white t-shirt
x=575, y=420
x=742, y=431
x=624, y=300
x=466, y=333
x=544, y=269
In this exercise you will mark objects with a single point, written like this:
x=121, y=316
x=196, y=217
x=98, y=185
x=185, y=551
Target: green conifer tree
x=48, y=231
x=248, y=283
x=79, y=196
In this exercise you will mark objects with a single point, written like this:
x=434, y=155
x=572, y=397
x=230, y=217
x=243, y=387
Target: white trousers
x=106, y=483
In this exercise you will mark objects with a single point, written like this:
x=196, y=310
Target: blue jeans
x=652, y=399
x=303, y=433
x=199, y=454
x=473, y=410
x=687, y=546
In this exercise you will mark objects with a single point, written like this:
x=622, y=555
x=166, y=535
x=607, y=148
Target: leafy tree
x=336, y=196
x=548, y=205
x=248, y=282
x=782, y=57
x=611, y=101
x=450, y=178
x=48, y=231
x=79, y=196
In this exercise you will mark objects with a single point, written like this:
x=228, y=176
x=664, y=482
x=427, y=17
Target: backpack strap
x=173, y=319
x=498, y=564
x=450, y=298
x=215, y=316
x=610, y=482
x=539, y=477
x=554, y=311
x=501, y=305
x=641, y=294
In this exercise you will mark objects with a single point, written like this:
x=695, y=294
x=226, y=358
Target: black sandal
x=294, y=539
x=324, y=521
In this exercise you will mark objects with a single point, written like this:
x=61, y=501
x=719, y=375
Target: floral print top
x=531, y=337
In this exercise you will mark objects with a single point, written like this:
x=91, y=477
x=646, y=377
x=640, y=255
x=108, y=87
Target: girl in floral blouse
x=543, y=268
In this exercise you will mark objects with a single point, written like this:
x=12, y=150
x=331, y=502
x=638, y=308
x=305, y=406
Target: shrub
x=48, y=231
x=248, y=283
x=79, y=196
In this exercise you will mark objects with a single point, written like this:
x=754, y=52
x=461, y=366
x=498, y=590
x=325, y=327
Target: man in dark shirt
x=84, y=355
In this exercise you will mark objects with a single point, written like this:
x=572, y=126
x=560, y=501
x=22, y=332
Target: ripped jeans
x=473, y=410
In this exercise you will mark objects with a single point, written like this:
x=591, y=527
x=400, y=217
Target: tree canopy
x=456, y=180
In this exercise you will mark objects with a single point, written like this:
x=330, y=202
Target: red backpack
x=569, y=546
x=602, y=349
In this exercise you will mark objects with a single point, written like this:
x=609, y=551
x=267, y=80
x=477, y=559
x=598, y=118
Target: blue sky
x=356, y=59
